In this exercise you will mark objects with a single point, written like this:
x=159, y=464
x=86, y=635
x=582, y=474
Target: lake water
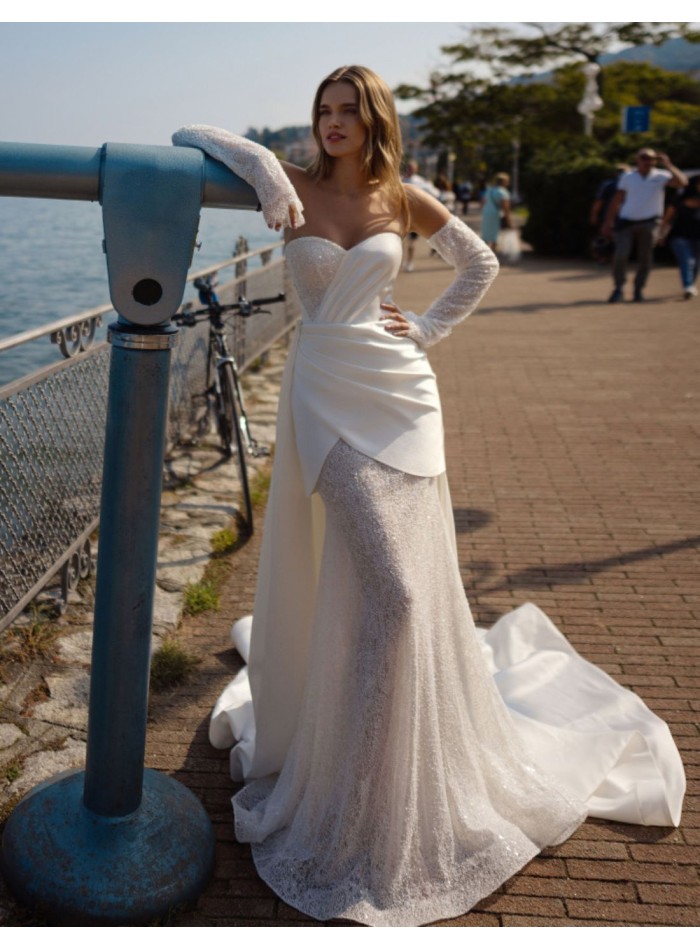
x=52, y=266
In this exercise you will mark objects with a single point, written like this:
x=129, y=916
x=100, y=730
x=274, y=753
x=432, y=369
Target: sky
x=85, y=83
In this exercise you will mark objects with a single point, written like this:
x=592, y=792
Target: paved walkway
x=573, y=442
x=573, y=452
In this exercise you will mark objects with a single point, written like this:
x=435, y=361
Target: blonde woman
x=386, y=779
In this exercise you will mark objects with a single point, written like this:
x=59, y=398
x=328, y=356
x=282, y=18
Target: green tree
x=564, y=183
x=684, y=145
x=674, y=99
x=548, y=45
x=478, y=118
x=482, y=119
x=276, y=139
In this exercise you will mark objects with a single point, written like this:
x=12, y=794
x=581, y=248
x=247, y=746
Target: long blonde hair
x=383, y=150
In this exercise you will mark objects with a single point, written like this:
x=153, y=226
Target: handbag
x=508, y=245
x=503, y=220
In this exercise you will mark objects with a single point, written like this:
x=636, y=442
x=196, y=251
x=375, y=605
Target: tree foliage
x=485, y=121
x=277, y=139
x=564, y=184
x=479, y=119
x=553, y=45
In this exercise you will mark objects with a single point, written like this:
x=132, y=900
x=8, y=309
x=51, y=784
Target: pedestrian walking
x=602, y=247
x=634, y=215
x=681, y=225
x=495, y=213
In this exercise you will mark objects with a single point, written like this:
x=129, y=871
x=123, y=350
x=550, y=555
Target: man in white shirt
x=638, y=206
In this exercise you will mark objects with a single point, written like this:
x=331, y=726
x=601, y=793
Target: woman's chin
x=342, y=149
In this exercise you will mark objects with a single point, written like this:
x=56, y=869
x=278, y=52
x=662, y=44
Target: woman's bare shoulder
x=297, y=175
x=427, y=214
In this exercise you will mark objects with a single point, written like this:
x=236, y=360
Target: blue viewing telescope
x=117, y=843
x=151, y=198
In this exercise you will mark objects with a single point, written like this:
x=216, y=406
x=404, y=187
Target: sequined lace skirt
x=405, y=797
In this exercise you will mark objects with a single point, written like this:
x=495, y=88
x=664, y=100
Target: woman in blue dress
x=495, y=209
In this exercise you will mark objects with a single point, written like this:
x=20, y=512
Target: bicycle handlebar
x=242, y=306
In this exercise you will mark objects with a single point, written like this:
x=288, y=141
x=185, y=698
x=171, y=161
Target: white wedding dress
x=400, y=765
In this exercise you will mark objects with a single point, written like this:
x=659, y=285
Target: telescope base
x=73, y=866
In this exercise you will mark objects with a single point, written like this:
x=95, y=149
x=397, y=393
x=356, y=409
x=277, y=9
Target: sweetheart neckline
x=346, y=250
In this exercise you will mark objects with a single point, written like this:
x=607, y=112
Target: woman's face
x=340, y=127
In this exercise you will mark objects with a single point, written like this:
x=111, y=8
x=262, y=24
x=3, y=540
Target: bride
x=399, y=764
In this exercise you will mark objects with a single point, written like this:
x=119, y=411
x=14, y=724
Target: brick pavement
x=573, y=452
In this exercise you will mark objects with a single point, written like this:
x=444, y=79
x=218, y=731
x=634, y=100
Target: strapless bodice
x=352, y=380
x=343, y=285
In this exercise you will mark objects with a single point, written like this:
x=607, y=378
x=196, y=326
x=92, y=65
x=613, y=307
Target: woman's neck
x=347, y=179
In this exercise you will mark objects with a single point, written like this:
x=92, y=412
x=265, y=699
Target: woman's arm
x=426, y=214
x=474, y=261
x=255, y=164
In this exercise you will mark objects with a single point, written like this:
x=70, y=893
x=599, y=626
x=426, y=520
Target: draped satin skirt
x=428, y=762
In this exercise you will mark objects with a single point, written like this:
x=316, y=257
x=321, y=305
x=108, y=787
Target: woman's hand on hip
x=395, y=322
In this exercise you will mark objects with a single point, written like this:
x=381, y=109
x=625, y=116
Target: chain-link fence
x=51, y=435
x=52, y=427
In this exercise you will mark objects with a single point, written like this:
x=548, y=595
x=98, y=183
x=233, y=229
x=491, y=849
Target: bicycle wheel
x=230, y=429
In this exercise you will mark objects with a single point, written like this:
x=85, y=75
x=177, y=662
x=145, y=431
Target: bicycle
x=223, y=393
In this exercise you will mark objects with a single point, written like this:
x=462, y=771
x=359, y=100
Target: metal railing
x=72, y=334
x=52, y=425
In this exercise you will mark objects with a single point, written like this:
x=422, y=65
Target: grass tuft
x=35, y=641
x=12, y=772
x=260, y=487
x=39, y=694
x=224, y=541
x=200, y=597
x=171, y=664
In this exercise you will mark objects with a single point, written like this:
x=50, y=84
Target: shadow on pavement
x=545, y=576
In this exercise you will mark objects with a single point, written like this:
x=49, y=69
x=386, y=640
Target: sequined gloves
x=255, y=165
x=476, y=267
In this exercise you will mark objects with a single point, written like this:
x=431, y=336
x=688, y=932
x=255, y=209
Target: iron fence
x=52, y=425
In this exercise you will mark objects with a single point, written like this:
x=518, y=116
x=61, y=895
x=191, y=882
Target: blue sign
x=636, y=119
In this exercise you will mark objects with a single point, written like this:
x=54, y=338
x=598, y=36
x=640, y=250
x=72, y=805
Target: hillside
x=678, y=55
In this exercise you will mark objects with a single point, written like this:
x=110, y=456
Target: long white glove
x=476, y=267
x=255, y=165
